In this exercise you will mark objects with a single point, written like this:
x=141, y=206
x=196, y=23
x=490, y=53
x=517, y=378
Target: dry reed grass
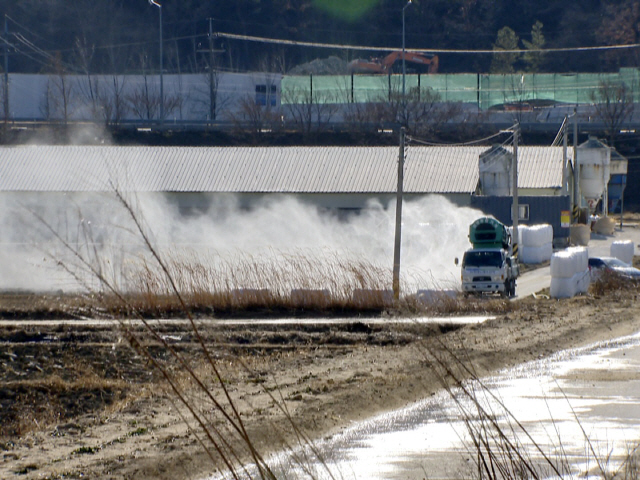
x=609, y=283
x=200, y=392
x=52, y=400
x=500, y=445
x=281, y=283
x=278, y=281
x=164, y=283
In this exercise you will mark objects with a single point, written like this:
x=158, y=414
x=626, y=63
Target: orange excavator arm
x=376, y=65
x=392, y=58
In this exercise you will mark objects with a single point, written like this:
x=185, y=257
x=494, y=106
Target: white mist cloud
x=434, y=233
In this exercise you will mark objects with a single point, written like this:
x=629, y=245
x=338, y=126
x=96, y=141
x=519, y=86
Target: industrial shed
x=329, y=177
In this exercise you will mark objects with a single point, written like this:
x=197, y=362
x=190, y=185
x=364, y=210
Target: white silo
x=594, y=162
x=495, y=171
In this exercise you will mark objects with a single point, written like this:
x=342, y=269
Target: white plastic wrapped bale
x=536, y=235
x=562, y=287
x=583, y=276
x=533, y=255
x=583, y=280
x=563, y=265
x=569, y=272
x=582, y=258
x=536, y=243
x=623, y=250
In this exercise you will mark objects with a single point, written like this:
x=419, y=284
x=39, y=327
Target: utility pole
x=161, y=70
x=155, y=3
x=398, y=236
x=404, y=68
x=516, y=208
x=576, y=169
x=565, y=156
x=212, y=92
x=6, y=70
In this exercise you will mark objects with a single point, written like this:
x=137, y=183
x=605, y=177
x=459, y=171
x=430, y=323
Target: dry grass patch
x=609, y=283
x=34, y=404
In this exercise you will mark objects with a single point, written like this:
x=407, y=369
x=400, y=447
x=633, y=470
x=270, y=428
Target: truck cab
x=489, y=270
x=489, y=267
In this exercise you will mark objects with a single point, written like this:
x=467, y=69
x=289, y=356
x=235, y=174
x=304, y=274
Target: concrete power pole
x=212, y=92
x=6, y=70
x=398, y=236
x=576, y=170
x=565, y=157
x=516, y=208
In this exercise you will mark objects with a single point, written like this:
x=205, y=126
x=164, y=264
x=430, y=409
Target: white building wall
x=34, y=97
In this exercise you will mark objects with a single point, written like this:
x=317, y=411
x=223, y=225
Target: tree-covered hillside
x=122, y=35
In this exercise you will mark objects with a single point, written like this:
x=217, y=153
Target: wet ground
x=79, y=402
x=580, y=407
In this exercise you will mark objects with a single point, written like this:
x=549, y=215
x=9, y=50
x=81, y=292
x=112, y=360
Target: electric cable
x=250, y=38
x=463, y=144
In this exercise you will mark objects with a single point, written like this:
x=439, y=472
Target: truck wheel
x=513, y=287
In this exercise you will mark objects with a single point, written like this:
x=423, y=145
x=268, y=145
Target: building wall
x=541, y=210
x=38, y=97
x=93, y=98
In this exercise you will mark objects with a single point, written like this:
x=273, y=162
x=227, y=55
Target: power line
x=26, y=29
x=463, y=144
x=24, y=53
x=250, y=38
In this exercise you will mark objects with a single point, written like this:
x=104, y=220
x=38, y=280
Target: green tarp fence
x=484, y=90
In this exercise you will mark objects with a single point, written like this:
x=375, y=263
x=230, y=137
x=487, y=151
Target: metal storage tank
x=594, y=160
x=495, y=171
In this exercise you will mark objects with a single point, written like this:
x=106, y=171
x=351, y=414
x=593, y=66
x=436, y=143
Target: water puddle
x=560, y=401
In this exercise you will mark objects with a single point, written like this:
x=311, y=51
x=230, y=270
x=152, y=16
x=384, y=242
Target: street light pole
x=154, y=2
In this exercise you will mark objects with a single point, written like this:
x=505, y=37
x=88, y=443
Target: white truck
x=489, y=266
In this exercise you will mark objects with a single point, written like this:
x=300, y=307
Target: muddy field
x=77, y=401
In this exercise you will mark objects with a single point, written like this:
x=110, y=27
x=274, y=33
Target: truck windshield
x=482, y=259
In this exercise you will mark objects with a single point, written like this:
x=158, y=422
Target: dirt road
x=81, y=403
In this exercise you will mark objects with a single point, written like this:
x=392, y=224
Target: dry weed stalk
x=612, y=283
x=505, y=450
x=220, y=429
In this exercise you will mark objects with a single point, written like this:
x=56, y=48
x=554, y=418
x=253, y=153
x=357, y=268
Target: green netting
x=370, y=88
x=454, y=88
x=553, y=87
x=485, y=90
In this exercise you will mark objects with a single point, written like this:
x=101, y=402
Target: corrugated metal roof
x=540, y=167
x=260, y=169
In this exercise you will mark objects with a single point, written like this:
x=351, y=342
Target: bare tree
x=516, y=96
x=207, y=95
x=83, y=56
x=112, y=101
x=309, y=111
x=61, y=92
x=420, y=110
x=254, y=118
x=363, y=116
x=144, y=99
x=613, y=103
